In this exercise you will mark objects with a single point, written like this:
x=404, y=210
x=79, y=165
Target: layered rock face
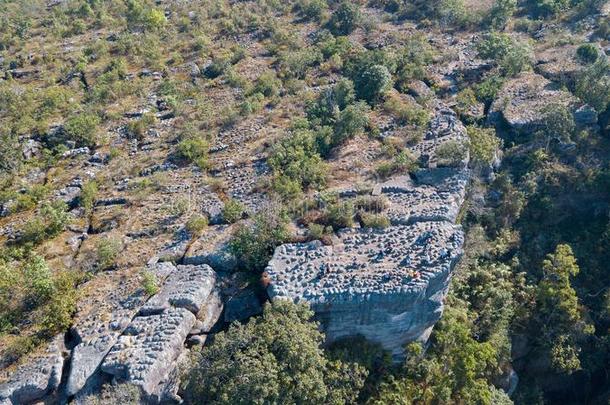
x=387, y=284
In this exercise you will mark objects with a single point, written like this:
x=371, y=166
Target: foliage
x=195, y=150
x=253, y=243
x=378, y=221
x=484, y=144
x=511, y=55
x=50, y=222
x=150, y=284
x=426, y=380
x=345, y=18
x=297, y=158
x=313, y=10
x=501, y=12
x=558, y=121
x=558, y=308
x=232, y=211
x=406, y=112
x=403, y=162
x=587, y=53
x=351, y=121
x=88, y=196
x=593, y=85
x=451, y=153
x=137, y=128
x=325, y=110
x=82, y=128
x=373, y=82
x=196, y=224
x=107, y=251
x=275, y=358
x=340, y=215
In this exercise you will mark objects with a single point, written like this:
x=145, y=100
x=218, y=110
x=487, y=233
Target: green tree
x=373, y=82
x=351, y=121
x=273, y=359
x=558, y=311
x=296, y=157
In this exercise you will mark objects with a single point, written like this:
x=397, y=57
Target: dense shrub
x=352, y=120
x=88, y=196
x=150, y=284
x=253, y=243
x=312, y=10
x=296, y=157
x=512, y=56
x=378, y=221
x=194, y=150
x=501, y=12
x=232, y=211
x=107, y=251
x=273, y=359
x=587, y=53
x=412, y=61
x=345, y=19
x=340, y=215
x=406, y=112
x=196, y=224
x=403, y=162
x=558, y=122
x=451, y=153
x=82, y=129
x=373, y=82
x=593, y=85
x=326, y=108
x=484, y=144
x=50, y=222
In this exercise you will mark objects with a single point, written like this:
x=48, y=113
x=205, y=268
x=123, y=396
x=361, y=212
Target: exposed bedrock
x=36, y=378
x=139, y=341
x=387, y=284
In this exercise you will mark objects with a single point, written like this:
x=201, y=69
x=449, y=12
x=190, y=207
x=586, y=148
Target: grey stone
x=188, y=287
x=38, y=377
x=145, y=354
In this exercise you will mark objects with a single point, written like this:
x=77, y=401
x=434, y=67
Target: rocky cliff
x=387, y=284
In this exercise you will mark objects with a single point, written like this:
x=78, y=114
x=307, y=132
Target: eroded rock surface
x=387, y=284
x=36, y=378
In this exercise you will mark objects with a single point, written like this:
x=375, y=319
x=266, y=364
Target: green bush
x=352, y=120
x=232, y=211
x=512, y=56
x=88, y=196
x=373, y=82
x=150, y=284
x=501, y=12
x=137, y=129
x=593, y=85
x=407, y=113
x=484, y=144
x=267, y=84
x=451, y=153
x=404, y=162
x=50, y=222
x=254, y=243
x=340, y=215
x=195, y=150
x=196, y=224
x=313, y=10
x=378, y=221
x=330, y=102
x=345, y=19
x=58, y=311
x=297, y=158
x=107, y=251
x=82, y=129
x=558, y=121
x=587, y=53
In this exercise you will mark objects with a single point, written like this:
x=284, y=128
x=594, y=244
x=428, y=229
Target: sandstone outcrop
x=141, y=339
x=36, y=378
x=522, y=100
x=387, y=284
